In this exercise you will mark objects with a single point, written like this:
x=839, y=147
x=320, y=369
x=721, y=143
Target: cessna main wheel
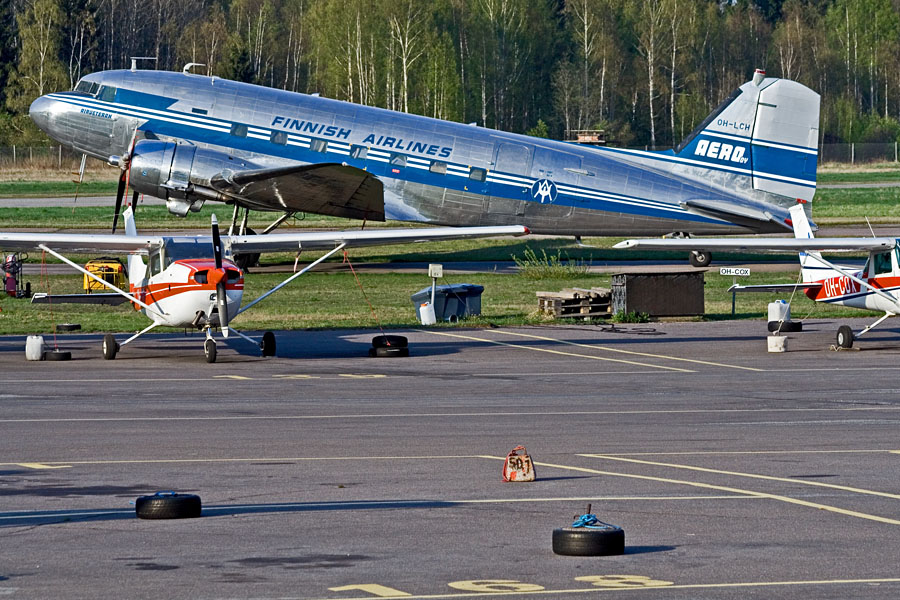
x=700, y=258
x=844, y=337
x=268, y=344
x=110, y=347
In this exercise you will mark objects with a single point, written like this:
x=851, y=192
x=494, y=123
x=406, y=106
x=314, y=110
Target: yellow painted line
x=239, y=377
x=361, y=376
x=663, y=588
x=34, y=465
x=832, y=486
x=620, y=351
x=721, y=488
x=549, y=351
x=296, y=376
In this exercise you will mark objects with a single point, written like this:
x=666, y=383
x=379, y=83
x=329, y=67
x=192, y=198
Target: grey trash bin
x=451, y=302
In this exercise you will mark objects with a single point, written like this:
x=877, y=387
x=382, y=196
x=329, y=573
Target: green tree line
x=646, y=71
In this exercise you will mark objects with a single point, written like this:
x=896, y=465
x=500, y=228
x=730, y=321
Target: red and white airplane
x=194, y=282
x=874, y=287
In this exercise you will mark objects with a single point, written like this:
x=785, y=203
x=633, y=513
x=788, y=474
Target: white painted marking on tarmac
x=797, y=480
x=34, y=465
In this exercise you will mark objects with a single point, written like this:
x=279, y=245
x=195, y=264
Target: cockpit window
x=881, y=263
x=87, y=87
x=107, y=93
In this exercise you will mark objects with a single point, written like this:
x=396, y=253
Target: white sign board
x=734, y=271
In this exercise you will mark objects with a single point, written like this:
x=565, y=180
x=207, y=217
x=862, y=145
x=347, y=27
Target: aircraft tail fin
x=764, y=136
x=137, y=270
x=811, y=265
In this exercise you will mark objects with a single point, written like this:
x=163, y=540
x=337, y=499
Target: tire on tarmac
x=388, y=352
x=209, y=350
x=57, y=355
x=844, y=337
x=267, y=345
x=389, y=341
x=168, y=505
x=786, y=327
x=607, y=540
x=700, y=258
x=110, y=346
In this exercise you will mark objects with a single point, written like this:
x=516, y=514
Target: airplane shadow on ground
x=56, y=517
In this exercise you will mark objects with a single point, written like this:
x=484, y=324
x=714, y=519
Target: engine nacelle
x=178, y=173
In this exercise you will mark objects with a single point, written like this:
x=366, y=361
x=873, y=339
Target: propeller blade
x=120, y=193
x=217, y=242
x=222, y=302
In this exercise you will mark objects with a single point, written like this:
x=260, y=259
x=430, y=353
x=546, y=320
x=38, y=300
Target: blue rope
x=590, y=521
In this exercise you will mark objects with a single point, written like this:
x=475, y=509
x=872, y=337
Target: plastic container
x=425, y=313
x=779, y=311
x=34, y=347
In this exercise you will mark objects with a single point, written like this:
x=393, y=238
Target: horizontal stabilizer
x=747, y=216
x=326, y=189
x=110, y=299
x=758, y=244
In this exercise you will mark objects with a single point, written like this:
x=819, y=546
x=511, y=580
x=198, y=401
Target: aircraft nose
x=41, y=112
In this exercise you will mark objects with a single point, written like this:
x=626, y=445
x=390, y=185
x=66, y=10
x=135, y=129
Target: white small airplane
x=875, y=287
x=193, y=281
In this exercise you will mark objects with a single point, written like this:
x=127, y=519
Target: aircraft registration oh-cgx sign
x=735, y=271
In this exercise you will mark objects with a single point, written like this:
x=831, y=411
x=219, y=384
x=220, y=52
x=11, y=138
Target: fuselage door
x=510, y=161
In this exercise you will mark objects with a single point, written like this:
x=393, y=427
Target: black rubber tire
x=385, y=352
x=68, y=327
x=168, y=506
x=110, y=346
x=787, y=326
x=389, y=341
x=267, y=345
x=581, y=541
x=700, y=258
x=57, y=355
x=209, y=349
x=844, y=337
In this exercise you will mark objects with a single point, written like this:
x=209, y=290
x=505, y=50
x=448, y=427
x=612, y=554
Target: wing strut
x=330, y=253
x=100, y=280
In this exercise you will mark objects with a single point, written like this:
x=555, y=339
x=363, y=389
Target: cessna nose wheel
x=700, y=258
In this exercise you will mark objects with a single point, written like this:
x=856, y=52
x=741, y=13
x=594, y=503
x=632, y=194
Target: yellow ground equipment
x=108, y=269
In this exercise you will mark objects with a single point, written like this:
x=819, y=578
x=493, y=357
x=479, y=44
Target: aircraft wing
x=109, y=299
x=75, y=242
x=291, y=242
x=762, y=244
x=326, y=189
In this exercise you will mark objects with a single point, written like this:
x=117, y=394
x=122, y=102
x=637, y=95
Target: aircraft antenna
x=134, y=60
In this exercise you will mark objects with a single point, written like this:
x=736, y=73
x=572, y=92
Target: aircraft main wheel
x=607, y=540
x=209, y=348
x=700, y=258
x=168, y=505
x=392, y=341
x=110, y=346
x=844, y=337
x=385, y=352
x=268, y=344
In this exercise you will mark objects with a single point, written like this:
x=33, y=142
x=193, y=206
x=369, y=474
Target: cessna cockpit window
x=881, y=263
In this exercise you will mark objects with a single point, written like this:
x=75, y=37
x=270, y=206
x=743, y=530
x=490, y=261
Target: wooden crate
x=575, y=303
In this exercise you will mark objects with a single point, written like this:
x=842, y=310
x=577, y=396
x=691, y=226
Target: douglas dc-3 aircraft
x=188, y=138
x=875, y=287
x=193, y=282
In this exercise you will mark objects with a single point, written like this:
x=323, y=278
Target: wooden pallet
x=575, y=303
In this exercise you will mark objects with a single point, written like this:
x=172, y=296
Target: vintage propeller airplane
x=193, y=281
x=874, y=287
